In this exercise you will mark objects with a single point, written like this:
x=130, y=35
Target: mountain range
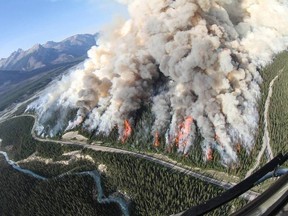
x=51, y=53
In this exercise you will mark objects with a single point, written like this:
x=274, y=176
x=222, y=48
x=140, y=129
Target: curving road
x=266, y=139
x=249, y=195
x=101, y=198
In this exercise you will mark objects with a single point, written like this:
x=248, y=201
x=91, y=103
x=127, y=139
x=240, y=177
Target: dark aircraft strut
x=268, y=170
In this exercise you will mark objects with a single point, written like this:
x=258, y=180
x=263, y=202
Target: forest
x=18, y=142
x=278, y=111
x=70, y=195
x=152, y=189
x=157, y=190
x=140, y=141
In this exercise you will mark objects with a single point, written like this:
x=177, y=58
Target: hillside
x=147, y=183
x=50, y=53
x=16, y=86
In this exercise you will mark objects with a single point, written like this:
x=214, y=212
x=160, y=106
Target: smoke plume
x=194, y=62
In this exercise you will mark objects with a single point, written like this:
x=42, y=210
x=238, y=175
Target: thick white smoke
x=188, y=59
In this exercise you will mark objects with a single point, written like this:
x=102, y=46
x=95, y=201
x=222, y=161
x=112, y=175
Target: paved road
x=249, y=195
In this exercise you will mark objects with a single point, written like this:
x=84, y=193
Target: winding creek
x=101, y=198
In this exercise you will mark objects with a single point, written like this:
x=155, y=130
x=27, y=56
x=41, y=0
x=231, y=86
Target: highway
x=249, y=195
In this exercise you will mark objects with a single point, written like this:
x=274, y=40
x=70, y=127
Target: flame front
x=209, y=154
x=238, y=147
x=173, y=59
x=156, y=140
x=184, y=131
x=127, y=131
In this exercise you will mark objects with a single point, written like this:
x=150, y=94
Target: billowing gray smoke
x=207, y=52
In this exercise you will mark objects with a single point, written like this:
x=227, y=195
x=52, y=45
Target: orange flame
x=209, y=154
x=238, y=147
x=156, y=140
x=216, y=137
x=127, y=131
x=184, y=131
x=176, y=141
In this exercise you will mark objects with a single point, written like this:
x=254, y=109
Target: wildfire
x=127, y=131
x=216, y=138
x=156, y=140
x=184, y=131
x=238, y=147
x=209, y=154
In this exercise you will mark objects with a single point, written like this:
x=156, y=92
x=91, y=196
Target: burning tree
x=183, y=58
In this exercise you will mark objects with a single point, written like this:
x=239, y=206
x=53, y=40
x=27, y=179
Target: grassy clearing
x=24, y=195
x=151, y=187
x=154, y=190
x=70, y=195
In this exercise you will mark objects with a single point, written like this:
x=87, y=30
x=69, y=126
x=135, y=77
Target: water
x=101, y=198
x=18, y=168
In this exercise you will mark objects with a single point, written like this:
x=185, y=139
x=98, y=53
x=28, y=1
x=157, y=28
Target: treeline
x=278, y=110
x=142, y=140
x=157, y=190
x=277, y=102
x=154, y=190
x=49, y=150
x=21, y=194
x=16, y=133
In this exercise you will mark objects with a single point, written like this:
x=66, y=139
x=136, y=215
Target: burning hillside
x=194, y=62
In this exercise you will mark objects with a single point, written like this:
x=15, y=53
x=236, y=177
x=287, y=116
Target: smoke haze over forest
x=194, y=62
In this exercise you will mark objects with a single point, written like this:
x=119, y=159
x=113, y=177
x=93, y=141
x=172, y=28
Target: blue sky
x=24, y=23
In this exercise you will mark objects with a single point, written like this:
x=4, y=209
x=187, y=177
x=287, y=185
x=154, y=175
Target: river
x=101, y=198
